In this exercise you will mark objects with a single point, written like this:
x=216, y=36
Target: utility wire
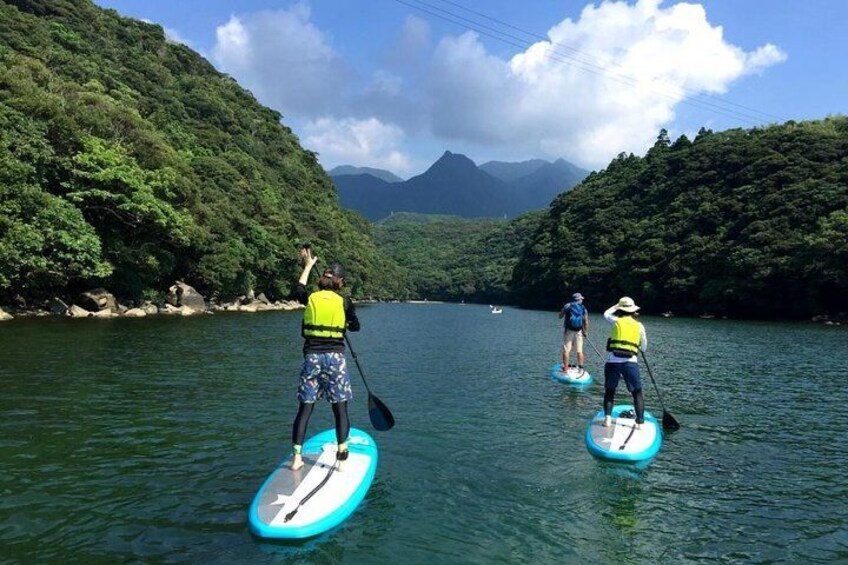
x=579, y=52
x=571, y=60
x=583, y=65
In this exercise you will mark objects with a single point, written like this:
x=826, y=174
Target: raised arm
x=309, y=261
x=300, y=294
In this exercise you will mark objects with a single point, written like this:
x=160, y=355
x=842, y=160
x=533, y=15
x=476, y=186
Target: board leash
x=306, y=498
x=632, y=431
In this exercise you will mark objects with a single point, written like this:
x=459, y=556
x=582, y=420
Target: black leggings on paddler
x=638, y=403
x=302, y=419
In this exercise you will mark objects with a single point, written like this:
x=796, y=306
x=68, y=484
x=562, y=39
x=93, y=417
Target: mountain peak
x=452, y=161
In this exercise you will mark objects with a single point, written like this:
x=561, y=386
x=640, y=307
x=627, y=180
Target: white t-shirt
x=643, y=338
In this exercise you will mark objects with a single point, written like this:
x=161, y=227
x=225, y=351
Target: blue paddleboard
x=572, y=376
x=318, y=496
x=622, y=441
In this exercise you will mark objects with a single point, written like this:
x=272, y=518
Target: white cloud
x=171, y=34
x=414, y=43
x=174, y=36
x=765, y=56
x=366, y=143
x=284, y=59
x=602, y=84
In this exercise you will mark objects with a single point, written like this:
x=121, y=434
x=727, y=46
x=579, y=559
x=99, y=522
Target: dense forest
x=742, y=223
x=452, y=258
x=128, y=161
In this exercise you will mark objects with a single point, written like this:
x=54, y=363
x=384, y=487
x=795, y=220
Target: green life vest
x=324, y=315
x=625, y=337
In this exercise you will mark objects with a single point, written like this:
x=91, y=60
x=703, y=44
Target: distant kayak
x=572, y=376
x=623, y=441
x=316, y=497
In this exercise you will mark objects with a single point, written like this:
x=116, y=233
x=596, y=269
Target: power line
x=573, y=61
x=578, y=51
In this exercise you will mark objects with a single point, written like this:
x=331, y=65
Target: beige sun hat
x=626, y=304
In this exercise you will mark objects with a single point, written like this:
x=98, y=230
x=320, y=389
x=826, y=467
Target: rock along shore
x=181, y=300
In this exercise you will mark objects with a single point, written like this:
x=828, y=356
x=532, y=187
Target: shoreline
x=49, y=309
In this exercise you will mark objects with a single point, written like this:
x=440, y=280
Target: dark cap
x=335, y=270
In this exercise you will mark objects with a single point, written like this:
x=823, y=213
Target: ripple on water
x=127, y=442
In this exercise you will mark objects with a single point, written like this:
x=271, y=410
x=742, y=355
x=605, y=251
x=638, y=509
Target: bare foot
x=297, y=463
x=607, y=421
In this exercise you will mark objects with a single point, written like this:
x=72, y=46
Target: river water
x=145, y=441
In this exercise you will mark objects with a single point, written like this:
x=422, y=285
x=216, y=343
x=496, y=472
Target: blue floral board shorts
x=324, y=375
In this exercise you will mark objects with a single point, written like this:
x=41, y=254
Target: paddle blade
x=381, y=417
x=669, y=423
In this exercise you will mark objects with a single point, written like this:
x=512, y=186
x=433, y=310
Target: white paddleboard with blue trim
x=623, y=441
x=572, y=376
x=317, y=497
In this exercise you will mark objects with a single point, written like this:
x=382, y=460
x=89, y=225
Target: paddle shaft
x=595, y=348
x=380, y=415
x=358, y=366
x=651, y=374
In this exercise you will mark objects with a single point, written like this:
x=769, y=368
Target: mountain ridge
x=455, y=185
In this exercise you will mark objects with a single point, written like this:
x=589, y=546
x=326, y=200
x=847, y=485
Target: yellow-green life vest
x=625, y=336
x=324, y=315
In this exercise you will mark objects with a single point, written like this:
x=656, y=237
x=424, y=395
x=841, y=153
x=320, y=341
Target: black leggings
x=304, y=411
x=638, y=403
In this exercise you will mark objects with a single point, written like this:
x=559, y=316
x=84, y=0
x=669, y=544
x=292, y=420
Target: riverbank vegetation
x=742, y=223
x=129, y=162
x=453, y=258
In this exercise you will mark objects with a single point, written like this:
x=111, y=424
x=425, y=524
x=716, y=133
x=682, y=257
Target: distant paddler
x=327, y=317
x=576, y=327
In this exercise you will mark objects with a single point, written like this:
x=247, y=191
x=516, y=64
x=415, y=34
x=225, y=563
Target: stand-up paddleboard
x=622, y=441
x=318, y=496
x=572, y=376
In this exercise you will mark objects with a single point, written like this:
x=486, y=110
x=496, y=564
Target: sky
x=393, y=84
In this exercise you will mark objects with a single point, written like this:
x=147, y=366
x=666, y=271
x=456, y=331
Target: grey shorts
x=575, y=338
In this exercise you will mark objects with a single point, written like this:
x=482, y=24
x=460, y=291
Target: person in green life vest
x=627, y=338
x=576, y=326
x=327, y=317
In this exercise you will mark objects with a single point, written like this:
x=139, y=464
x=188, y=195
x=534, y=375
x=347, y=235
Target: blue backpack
x=574, y=316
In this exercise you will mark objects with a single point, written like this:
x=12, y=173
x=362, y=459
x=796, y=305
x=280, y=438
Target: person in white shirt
x=628, y=337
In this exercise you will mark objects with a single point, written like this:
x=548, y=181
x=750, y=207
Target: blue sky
x=394, y=83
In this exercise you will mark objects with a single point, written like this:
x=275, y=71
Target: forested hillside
x=452, y=258
x=128, y=161
x=743, y=223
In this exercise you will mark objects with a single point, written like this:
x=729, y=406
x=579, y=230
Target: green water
x=145, y=441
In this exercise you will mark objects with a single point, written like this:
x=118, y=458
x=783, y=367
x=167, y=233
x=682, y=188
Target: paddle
x=596, y=349
x=381, y=417
x=668, y=421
